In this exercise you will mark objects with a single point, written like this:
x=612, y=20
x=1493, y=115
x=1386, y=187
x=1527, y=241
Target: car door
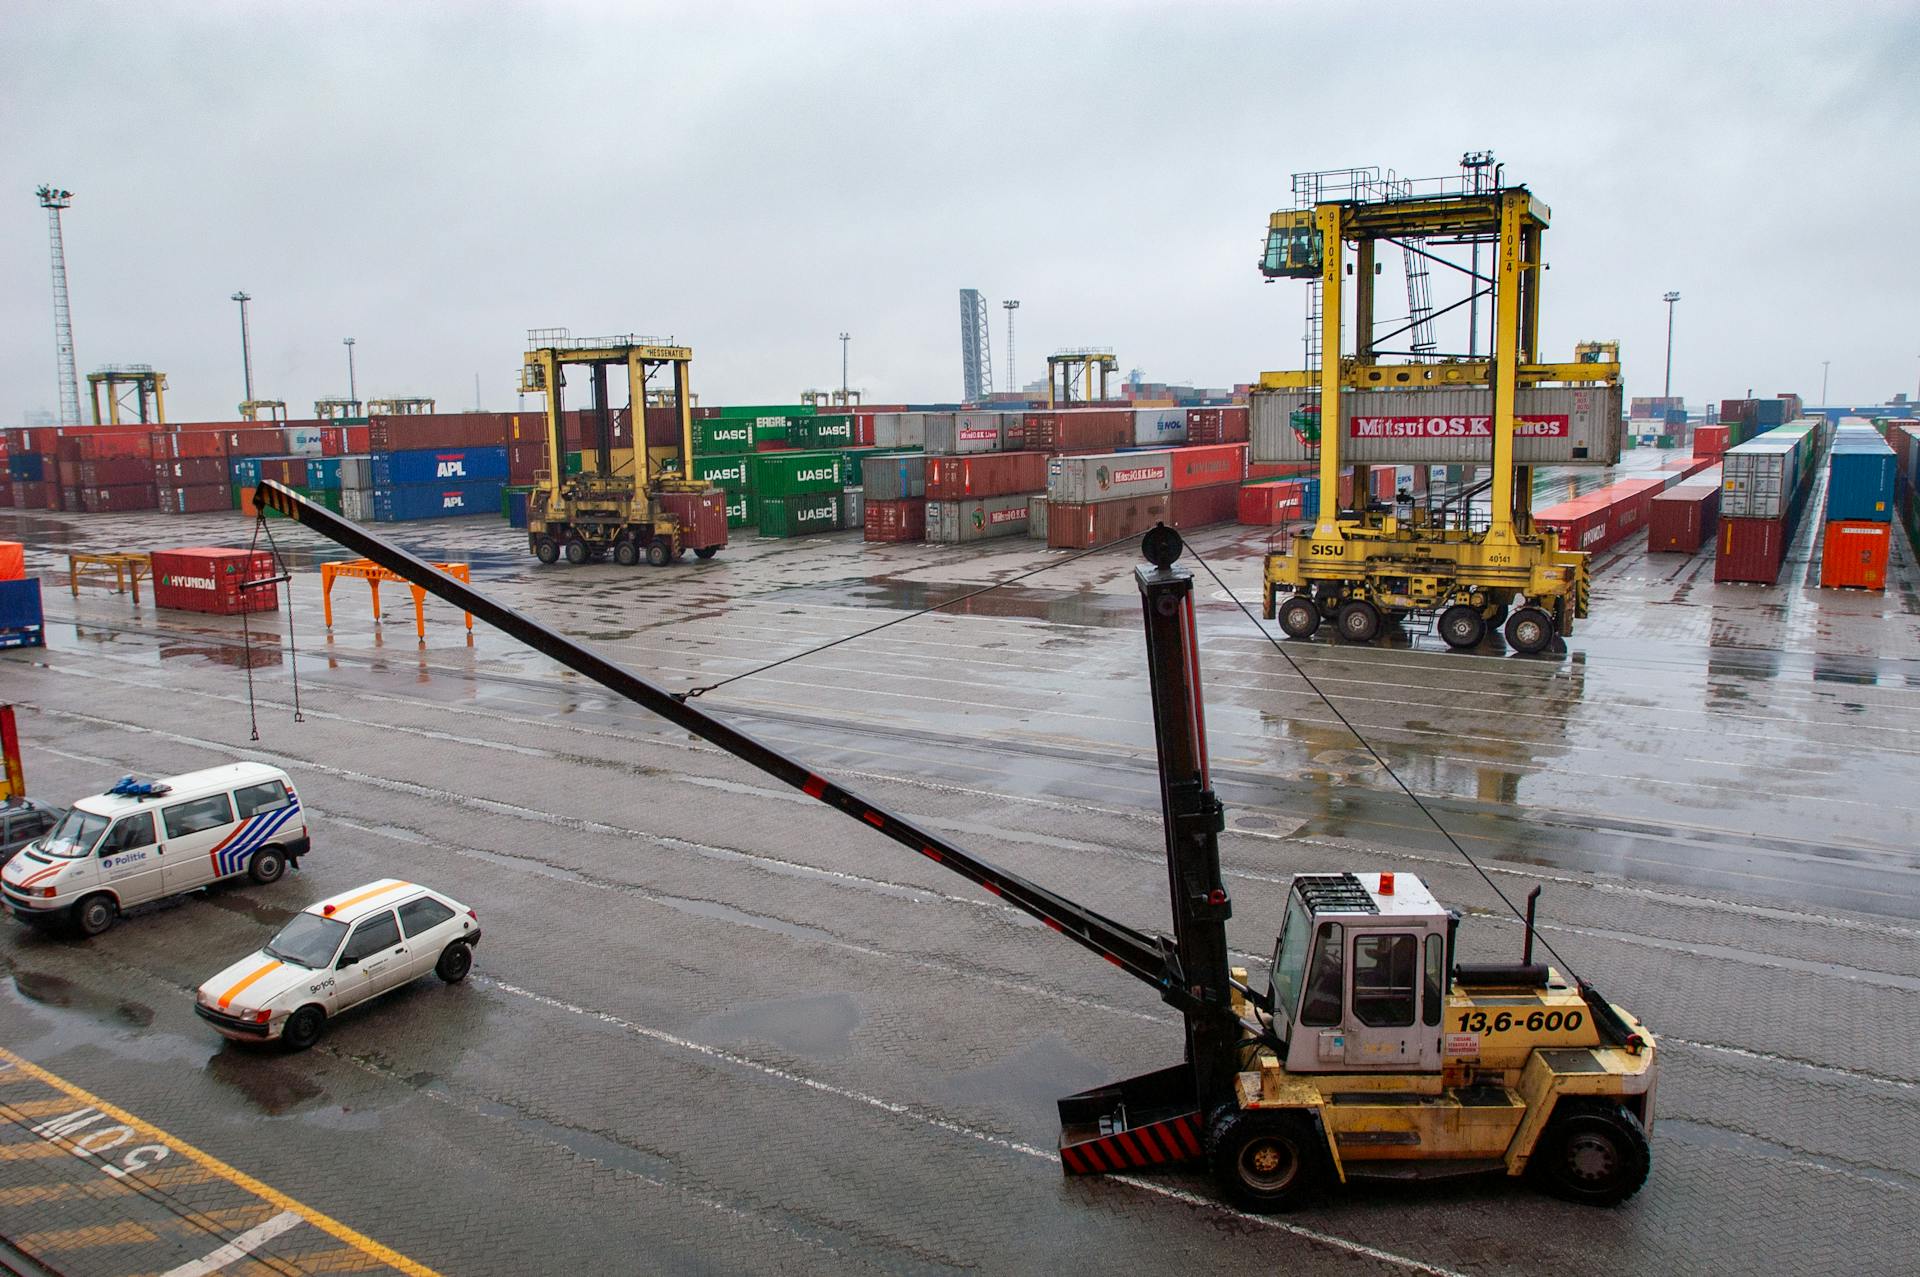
x=373, y=960
x=131, y=865
x=427, y=924
x=192, y=834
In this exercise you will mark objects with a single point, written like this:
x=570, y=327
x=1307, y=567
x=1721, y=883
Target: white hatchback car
x=336, y=954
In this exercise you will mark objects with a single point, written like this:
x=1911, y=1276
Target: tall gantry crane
x=1369, y=406
x=1081, y=371
x=976, y=348
x=117, y=381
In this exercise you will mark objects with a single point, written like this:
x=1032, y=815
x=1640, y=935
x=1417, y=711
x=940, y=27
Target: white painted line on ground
x=239, y=1248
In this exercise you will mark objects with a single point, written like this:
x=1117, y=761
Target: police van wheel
x=706, y=552
x=659, y=553
x=455, y=961
x=303, y=1028
x=1300, y=617
x=267, y=865
x=95, y=914
x=626, y=554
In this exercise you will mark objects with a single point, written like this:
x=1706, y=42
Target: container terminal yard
x=636, y=831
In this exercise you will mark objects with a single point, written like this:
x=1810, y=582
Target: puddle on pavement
x=57, y=991
x=270, y=1085
x=275, y=916
x=591, y=1145
x=818, y=1026
x=1031, y=1078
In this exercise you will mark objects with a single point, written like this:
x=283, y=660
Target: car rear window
x=198, y=816
x=420, y=915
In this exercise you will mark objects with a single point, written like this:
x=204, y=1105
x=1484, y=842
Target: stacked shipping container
x=1857, y=540
x=1763, y=488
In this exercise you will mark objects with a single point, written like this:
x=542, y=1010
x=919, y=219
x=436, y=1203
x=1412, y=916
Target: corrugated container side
x=955, y=478
x=1189, y=508
x=800, y=515
x=1037, y=508
x=951, y=522
x=1109, y=477
x=408, y=501
x=1159, y=426
x=1854, y=554
x=1081, y=525
x=894, y=476
x=1203, y=467
x=1444, y=426
x=895, y=520
x=1749, y=550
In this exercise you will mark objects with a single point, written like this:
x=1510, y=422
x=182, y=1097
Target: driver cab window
x=1321, y=1006
x=369, y=938
x=1383, y=980
x=132, y=832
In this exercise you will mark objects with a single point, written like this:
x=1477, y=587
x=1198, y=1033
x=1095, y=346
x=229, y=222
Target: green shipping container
x=763, y=410
x=786, y=474
x=800, y=515
x=576, y=461
x=722, y=437
x=820, y=432
x=770, y=430
x=739, y=509
x=734, y=473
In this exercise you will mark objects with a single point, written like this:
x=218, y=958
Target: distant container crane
x=976, y=348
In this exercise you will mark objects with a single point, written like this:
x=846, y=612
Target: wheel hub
x=1590, y=1158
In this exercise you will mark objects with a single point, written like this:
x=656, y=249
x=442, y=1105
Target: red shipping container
x=438, y=430
x=107, y=444
x=132, y=496
x=205, y=499
x=1266, y=505
x=206, y=579
x=13, y=560
x=1217, y=425
x=190, y=472
x=188, y=443
x=1853, y=554
x=291, y=471
x=1750, y=550
x=1078, y=430
x=1203, y=507
x=1204, y=467
x=1074, y=526
x=1581, y=523
x=523, y=461
x=35, y=496
x=530, y=427
x=863, y=430
x=1683, y=519
x=68, y=473
x=1281, y=470
x=986, y=474
x=896, y=520
x=333, y=441
x=114, y=473
x=1709, y=441
x=702, y=517
x=254, y=441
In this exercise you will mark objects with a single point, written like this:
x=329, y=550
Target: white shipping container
x=900, y=429
x=356, y=473
x=1561, y=425
x=957, y=433
x=853, y=509
x=303, y=439
x=1757, y=480
x=1159, y=426
x=951, y=522
x=1110, y=476
x=357, y=504
x=1037, y=518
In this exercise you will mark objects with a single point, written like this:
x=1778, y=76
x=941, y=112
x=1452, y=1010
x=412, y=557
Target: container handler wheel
x=1462, y=627
x=659, y=553
x=1359, y=621
x=577, y=552
x=1300, y=617
x=1496, y=613
x=1529, y=630
x=706, y=552
x=1264, y=1161
x=1592, y=1153
x=547, y=550
x=626, y=554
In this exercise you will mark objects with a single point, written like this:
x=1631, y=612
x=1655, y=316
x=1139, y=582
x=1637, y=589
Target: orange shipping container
x=13, y=561
x=1854, y=555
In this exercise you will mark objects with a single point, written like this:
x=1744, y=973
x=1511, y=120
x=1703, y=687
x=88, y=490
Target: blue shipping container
x=245, y=470
x=21, y=621
x=1860, y=482
x=440, y=465
x=323, y=472
x=436, y=500
x=516, y=509
x=28, y=467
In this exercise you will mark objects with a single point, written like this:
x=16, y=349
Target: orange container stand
x=1854, y=555
x=373, y=574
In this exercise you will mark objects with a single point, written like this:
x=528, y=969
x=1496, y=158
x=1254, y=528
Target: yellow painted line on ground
x=266, y=1192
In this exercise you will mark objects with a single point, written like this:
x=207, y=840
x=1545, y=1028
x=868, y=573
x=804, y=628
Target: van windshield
x=75, y=835
x=308, y=941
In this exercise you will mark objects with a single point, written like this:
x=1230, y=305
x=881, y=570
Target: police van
x=146, y=840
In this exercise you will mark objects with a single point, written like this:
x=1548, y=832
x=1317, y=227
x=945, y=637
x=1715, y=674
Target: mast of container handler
x=54, y=200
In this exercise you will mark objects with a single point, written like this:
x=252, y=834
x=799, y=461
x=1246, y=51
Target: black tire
x=577, y=552
x=706, y=552
x=1359, y=621
x=95, y=914
x=1299, y=617
x=455, y=961
x=626, y=554
x=1529, y=630
x=1462, y=627
x=547, y=550
x=659, y=553
x=1265, y=1161
x=303, y=1028
x=1592, y=1153
x=267, y=865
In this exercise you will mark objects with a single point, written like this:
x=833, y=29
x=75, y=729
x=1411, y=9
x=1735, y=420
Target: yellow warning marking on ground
x=26, y=1152
x=239, y=1178
x=124, y=1234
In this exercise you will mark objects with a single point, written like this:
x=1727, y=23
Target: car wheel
x=1359, y=621
x=95, y=914
x=1300, y=617
x=455, y=961
x=659, y=553
x=547, y=550
x=706, y=552
x=302, y=1028
x=1264, y=1161
x=267, y=865
x=626, y=554
x=577, y=552
x=1462, y=627
x=1529, y=630
x=1592, y=1153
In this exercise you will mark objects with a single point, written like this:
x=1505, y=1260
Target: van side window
x=1322, y=1004
x=419, y=915
x=198, y=816
x=370, y=937
x=132, y=832
x=254, y=799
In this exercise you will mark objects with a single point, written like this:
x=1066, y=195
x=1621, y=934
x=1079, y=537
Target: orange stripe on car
x=241, y=987
x=350, y=901
x=48, y=872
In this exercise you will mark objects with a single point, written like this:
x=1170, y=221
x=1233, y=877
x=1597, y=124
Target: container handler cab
x=1371, y=1051
x=633, y=502
x=1361, y=567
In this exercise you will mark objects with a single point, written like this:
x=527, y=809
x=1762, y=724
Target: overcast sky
x=434, y=180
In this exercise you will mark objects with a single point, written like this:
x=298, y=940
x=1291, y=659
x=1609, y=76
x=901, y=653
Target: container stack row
x=1857, y=539
x=1764, y=484
x=1904, y=438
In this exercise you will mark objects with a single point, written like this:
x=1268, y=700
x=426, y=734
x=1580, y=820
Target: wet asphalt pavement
x=716, y=1027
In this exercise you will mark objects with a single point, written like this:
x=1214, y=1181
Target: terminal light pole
x=1669, y=299
x=1824, y=365
x=54, y=200
x=352, y=393
x=1013, y=382
x=246, y=342
x=844, y=339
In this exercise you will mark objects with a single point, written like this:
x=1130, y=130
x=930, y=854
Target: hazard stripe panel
x=1166, y=1143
